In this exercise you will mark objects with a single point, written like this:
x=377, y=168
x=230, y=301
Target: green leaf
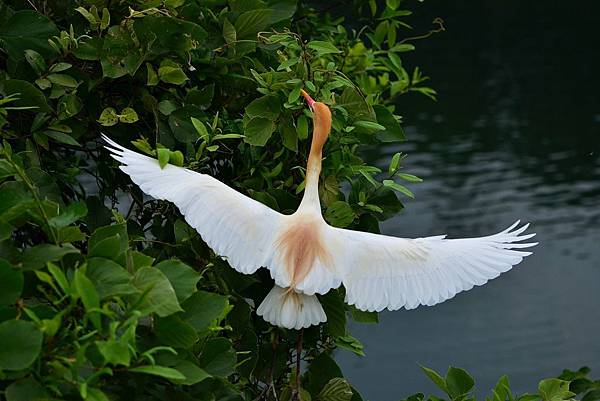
x=555, y=390
x=218, y=357
x=351, y=344
x=364, y=316
x=180, y=122
x=200, y=129
x=408, y=177
x=94, y=394
x=322, y=47
x=339, y=214
x=248, y=24
x=192, y=372
x=69, y=215
x=320, y=371
x=268, y=107
x=62, y=138
x=109, y=248
x=63, y=80
x=229, y=33
x=436, y=378
x=202, y=309
x=302, y=127
x=369, y=125
x=182, y=277
x=393, y=131
x=172, y=74
x=25, y=30
x=68, y=106
x=109, y=278
x=174, y=332
x=88, y=16
x=152, y=77
x=163, y=155
x=11, y=283
x=26, y=390
x=176, y=158
x=89, y=297
x=114, y=352
x=37, y=256
x=5, y=230
x=26, y=94
x=158, y=295
x=105, y=22
x=336, y=389
x=102, y=233
x=109, y=117
x=334, y=307
x=128, y=116
x=395, y=163
x=58, y=67
x=458, y=382
x=36, y=61
x=258, y=131
x=59, y=276
x=399, y=188
x=20, y=344
x=161, y=371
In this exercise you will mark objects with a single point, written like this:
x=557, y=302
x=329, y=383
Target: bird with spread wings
x=306, y=256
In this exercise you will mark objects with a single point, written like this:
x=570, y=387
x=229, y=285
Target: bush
x=108, y=294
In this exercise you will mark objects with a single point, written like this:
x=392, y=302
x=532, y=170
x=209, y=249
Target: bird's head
x=321, y=119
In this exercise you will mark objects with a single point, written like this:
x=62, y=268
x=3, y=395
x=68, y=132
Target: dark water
x=515, y=134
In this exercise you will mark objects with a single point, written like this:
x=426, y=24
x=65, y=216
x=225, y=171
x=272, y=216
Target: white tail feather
x=290, y=309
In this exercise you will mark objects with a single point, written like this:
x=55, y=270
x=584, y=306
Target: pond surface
x=515, y=134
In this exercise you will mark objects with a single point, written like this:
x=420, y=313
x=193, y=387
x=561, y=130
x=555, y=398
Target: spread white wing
x=233, y=225
x=381, y=272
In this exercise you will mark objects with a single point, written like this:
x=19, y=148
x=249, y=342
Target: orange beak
x=309, y=99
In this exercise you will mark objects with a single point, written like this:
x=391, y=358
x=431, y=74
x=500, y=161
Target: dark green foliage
x=100, y=302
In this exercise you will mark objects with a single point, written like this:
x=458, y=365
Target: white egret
x=306, y=256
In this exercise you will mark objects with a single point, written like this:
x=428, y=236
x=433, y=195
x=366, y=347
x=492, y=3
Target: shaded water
x=515, y=134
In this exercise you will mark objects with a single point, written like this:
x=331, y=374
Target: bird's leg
x=296, y=392
x=271, y=385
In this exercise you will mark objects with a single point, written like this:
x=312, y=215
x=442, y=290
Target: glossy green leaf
x=333, y=305
x=337, y=389
x=322, y=47
x=218, y=358
x=458, y=382
x=128, y=116
x=11, y=283
x=203, y=308
x=182, y=277
x=27, y=389
x=172, y=75
x=174, y=332
x=339, y=214
x=399, y=188
x=109, y=117
x=161, y=371
x=114, y=352
x=258, y=131
x=37, y=256
x=20, y=344
x=109, y=278
x=89, y=297
x=25, y=30
x=69, y=215
x=63, y=80
x=158, y=295
x=436, y=378
x=163, y=155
